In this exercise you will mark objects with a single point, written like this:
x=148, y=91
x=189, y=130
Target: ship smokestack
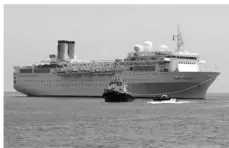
x=62, y=50
x=71, y=49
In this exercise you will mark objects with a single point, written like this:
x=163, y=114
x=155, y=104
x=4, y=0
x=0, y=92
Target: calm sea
x=90, y=122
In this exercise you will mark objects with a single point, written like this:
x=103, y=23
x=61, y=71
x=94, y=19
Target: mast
x=179, y=39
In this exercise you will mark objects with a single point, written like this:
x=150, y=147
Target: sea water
x=91, y=122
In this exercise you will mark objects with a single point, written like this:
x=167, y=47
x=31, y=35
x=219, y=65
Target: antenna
x=179, y=39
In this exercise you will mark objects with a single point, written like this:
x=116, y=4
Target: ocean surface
x=38, y=122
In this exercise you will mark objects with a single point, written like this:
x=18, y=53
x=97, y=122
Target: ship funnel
x=71, y=49
x=62, y=49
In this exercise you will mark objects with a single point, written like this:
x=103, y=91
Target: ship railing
x=103, y=61
x=142, y=62
x=92, y=64
x=70, y=69
x=96, y=70
x=91, y=67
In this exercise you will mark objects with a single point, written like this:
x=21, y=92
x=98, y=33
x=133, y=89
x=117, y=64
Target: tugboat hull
x=162, y=98
x=113, y=96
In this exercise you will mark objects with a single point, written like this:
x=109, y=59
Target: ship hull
x=113, y=96
x=172, y=89
x=181, y=89
x=172, y=84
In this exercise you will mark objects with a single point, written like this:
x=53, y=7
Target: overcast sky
x=106, y=32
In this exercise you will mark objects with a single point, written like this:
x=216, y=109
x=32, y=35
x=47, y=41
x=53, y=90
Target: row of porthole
x=82, y=80
x=142, y=70
x=144, y=74
x=76, y=84
x=58, y=80
x=186, y=63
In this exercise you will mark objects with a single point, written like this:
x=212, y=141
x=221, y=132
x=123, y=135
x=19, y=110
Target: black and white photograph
x=115, y=75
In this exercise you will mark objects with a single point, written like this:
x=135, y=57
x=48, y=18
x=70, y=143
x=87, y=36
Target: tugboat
x=163, y=98
x=116, y=92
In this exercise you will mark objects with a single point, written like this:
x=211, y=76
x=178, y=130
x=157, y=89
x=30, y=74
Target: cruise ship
x=147, y=72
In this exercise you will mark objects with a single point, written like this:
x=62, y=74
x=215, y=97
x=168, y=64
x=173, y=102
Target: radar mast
x=178, y=37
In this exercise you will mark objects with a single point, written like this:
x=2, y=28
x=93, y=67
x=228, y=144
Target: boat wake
x=172, y=101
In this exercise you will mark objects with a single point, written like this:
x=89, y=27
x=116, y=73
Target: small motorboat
x=163, y=98
x=116, y=92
